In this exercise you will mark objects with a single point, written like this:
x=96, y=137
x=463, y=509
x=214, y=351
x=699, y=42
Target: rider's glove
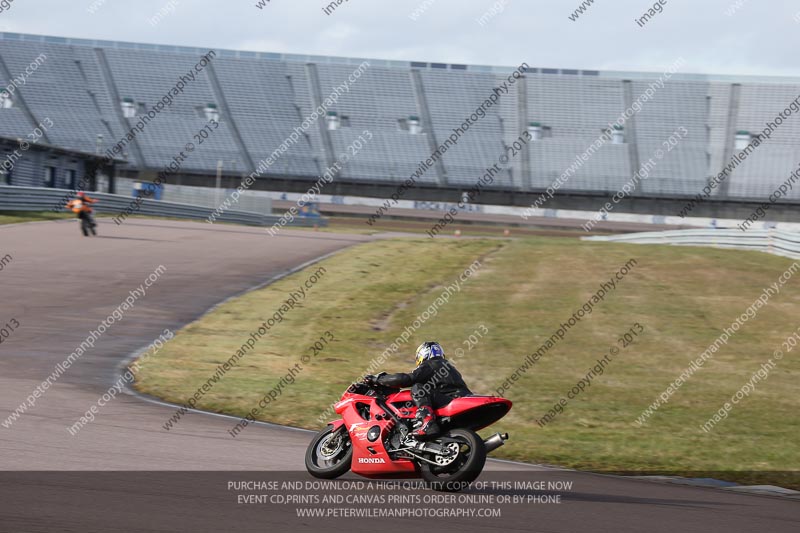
x=370, y=379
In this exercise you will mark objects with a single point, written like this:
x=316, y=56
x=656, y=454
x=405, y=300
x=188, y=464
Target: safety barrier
x=247, y=200
x=771, y=241
x=54, y=200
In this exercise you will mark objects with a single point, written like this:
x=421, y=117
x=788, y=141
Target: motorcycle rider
x=82, y=207
x=434, y=383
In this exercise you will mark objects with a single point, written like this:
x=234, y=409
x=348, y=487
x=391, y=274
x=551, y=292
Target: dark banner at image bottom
x=262, y=501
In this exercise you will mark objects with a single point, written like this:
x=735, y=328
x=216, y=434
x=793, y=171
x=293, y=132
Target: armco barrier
x=54, y=200
x=772, y=241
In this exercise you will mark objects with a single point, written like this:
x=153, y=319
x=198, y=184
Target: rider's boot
x=425, y=425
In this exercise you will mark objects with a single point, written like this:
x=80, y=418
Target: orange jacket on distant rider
x=81, y=204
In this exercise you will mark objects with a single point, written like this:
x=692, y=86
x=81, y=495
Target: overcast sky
x=761, y=37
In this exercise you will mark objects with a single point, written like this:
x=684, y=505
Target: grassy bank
x=525, y=289
x=17, y=217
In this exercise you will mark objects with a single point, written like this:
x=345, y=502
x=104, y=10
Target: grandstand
x=95, y=91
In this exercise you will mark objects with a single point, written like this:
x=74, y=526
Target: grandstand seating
x=260, y=98
x=263, y=97
x=376, y=102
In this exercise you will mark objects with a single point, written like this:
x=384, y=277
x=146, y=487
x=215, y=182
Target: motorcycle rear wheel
x=466, y=467
x=329, y=454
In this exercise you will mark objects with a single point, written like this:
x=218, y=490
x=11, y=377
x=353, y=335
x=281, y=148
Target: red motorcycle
x=374, y=438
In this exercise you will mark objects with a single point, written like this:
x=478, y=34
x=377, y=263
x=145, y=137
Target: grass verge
x=525, y=289
x=17, y=217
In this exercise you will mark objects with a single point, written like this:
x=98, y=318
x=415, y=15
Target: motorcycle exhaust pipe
x=495, y=441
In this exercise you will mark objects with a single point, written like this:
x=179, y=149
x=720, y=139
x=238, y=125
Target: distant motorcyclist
x=82, y=206
x=434, y=383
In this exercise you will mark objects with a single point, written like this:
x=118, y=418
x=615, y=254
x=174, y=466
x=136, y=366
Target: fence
x=771, y=241
x=250, y=201
x=44, y=199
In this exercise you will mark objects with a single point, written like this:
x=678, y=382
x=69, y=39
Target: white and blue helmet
x=429, y=350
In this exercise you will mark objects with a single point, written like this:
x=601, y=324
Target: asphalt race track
x=124, y=472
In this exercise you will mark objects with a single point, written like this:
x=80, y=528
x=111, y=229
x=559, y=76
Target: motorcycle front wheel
x=329, y=454
x=455, y=473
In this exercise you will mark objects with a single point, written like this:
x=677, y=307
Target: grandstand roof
x=303, y=58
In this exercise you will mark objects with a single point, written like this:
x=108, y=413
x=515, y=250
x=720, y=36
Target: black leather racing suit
x=435, y=382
